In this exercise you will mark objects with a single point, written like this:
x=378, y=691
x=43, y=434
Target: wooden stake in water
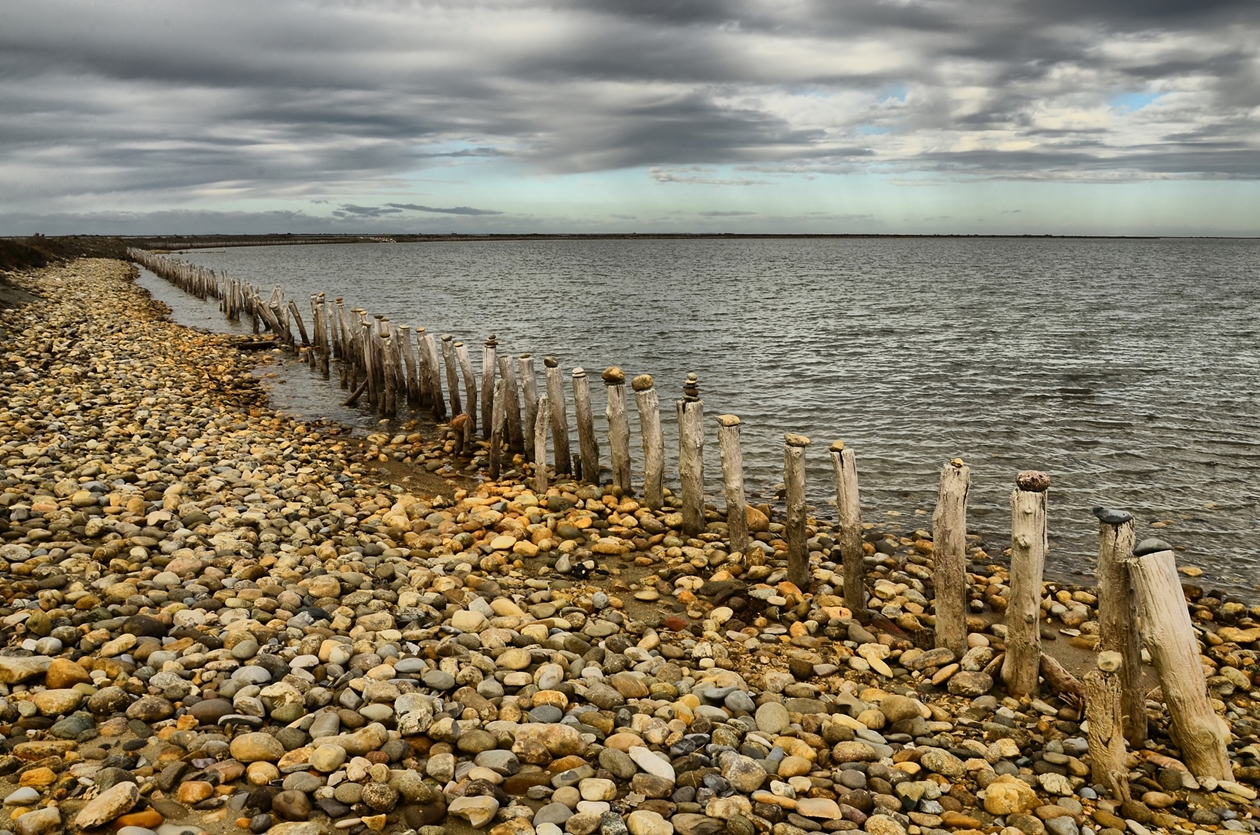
x=949, y=538
x=618, y=426
x=452, y=376
x=691, y=456
x=498, y=419
x=435, y=377
x=424, y=377
x=1201, y=735
x=529, y=394
x=512, y=395
x=653, y=441
x=542, y=422
x=1117, y=629
x=849, y=529
x=489, y=367
x=733, y=482
x=587, y=444
x=1028, y=559
x=794, y=482
x=411, y=377
x=559, y=416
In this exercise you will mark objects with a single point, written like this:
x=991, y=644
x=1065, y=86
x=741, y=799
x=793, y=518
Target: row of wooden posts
x=1136, y=585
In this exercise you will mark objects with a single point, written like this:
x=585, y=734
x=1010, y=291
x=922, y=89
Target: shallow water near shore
x=1124, y=368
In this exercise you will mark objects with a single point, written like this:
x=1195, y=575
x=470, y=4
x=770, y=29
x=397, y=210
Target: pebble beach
x=218, y=618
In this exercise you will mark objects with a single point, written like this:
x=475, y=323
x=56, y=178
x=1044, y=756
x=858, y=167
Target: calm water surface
x=1125, y=369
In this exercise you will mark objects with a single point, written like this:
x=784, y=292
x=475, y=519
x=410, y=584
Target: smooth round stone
x=597, y=788
x=546, y=714
x=327, y=758
x=772, y=718
x=302, y=781
x=22, y=797
x=518, y=680
x=409, y=666
x=514, y=659
x=375, y=712
x=255, y=747
x=553, y=813
x=438, y=680
x=245, y=650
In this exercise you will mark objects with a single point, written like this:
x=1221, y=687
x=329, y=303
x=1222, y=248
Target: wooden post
x=529, y=394
x=849, y=529
x=733, y=481
x=435, y=376
x=691, y=456
x=409, y=364
x=512, y=395
x=587, y=443
x=949, y=538
x=498, y=418
x=542, y=422
x=618, y=427
x=1117, y=630
x=452, y=377
x=1028, y=560
x=1201, y=735
x=390, y=374
x=297, y=317
x=424, y=377
x=489, y=367
x=559, y=417
x=653, y=440
x=470, y=391
x=366, y=338
x=794, y=481
x=1103, y=698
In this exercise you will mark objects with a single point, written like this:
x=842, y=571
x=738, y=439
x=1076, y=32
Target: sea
x=1124, y=368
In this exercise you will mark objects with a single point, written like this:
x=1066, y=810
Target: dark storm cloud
x=315, y=99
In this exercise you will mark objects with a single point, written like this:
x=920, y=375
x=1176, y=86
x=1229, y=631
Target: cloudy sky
x=940, y=116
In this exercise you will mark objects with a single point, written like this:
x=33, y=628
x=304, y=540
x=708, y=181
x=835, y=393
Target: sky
x=1110, y=117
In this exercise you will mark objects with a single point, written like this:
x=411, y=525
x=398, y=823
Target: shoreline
x=374, y=605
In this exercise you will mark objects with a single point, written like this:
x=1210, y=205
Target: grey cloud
x=158, y=102
x=456, y=210
x=726, y=214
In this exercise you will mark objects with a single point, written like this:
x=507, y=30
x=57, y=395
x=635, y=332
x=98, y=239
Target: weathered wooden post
x=424, y=376
x=542, y=422
x=1118, y=631
x=587, y=444
x=691, y=456
x=489, y=366
x=653, y=440
x=559, y=417
x=529, y=394
x=949, y=539
x=452, y=377
x=794, y=482
x=409, y=363
x=618, y=427
x=733, y=482
x=512, y=395
x=1201, y=735
x=849, y=529
x=470, y=392
x=1028, y=559
x=1103, y=699
x=435, y=376
x=498, y=418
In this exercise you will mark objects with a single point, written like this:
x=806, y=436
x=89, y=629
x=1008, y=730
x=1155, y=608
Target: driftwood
x=1107, y=751
x=529, y=394
x=1062, y=683
x=542, y=423
x=489, y=367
